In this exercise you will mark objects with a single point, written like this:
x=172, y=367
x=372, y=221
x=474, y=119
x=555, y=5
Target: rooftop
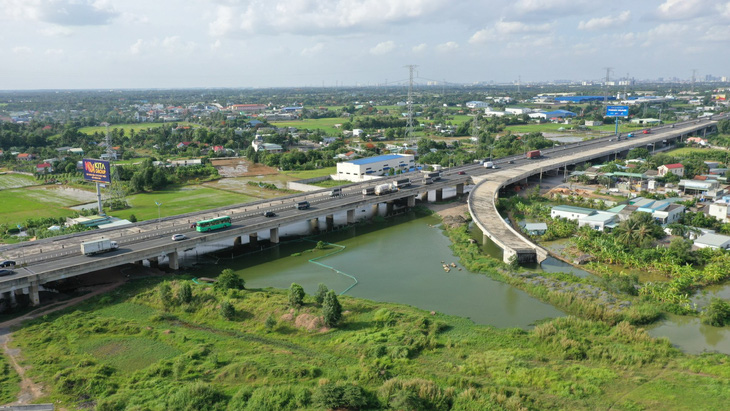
x=370, y=160
x=573, y=209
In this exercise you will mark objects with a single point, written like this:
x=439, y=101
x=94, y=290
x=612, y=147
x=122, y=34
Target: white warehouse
x=355, y=170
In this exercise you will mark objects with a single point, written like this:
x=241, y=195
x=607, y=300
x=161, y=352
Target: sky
x=112, y=44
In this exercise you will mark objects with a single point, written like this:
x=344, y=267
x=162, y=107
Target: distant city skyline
x=105, y=44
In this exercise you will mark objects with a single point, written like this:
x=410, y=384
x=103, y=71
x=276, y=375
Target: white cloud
x=136, y=48
x=483, y=36
x=56, y=31
x=383, y=48
x=515, y=27
x=447, y=47
x=421, y=48
x=552, y=7
x=717, y=34
x=313, y=51
x=22, y=50
x=61, y=12
x=316, y=16
x=665, y=33
x=607, y=22
x=216, y=45
x=685, y=9
x=54, y=52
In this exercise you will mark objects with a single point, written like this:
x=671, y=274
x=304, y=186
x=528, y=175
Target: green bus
x=213, y=224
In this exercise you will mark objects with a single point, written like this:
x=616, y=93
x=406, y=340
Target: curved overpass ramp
x=482, y=199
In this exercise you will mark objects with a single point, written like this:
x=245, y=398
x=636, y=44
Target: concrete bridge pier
x=459, y=189
x=350, y=216
x=253, y=240
x=389, y=208
x=173, y=261
x=154, y=262
x=411, y=201
x=35, y=298
x=10, y=299
x=274, y=235
x=376, y=209
x=439, y=194
x=330, y=219
x=314, y=225
x=237, y=242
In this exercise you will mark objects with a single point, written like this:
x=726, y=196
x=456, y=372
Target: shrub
x=335, y=396
x=185, y=293
x=228, y=311
x=296, y=295
x=320, y=294
x=717, y=313
x=165, y=294
x=270, y=322
x=229, y=280
x=197, y=396
x=280, y=398
x=331, y=309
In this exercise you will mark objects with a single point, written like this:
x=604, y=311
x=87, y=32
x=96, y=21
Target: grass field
x=142, y=347
x=136, y=127
x=12, y=180
x=179, y=200
x=325, y=124
x=305, y=174
x=685, y=151
x=18, y=205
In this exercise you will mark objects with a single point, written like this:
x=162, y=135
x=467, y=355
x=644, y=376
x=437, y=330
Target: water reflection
x=691, y=336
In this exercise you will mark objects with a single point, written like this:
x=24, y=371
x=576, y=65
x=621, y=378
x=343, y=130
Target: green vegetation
x=18, y=205
x=127, y=128
x=14, y=180
x=9, y=381
x=128, y=350
x=306, y=174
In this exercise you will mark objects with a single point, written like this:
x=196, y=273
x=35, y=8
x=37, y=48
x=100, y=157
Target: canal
x=400, y=260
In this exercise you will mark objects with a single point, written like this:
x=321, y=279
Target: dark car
x=511, y=162
x=4, y=272
x=269, y=214
x=461, y=173
x=7, y=263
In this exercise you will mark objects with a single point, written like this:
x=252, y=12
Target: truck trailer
x=489, y=164
x=384, y=189
x=98, y=246
x=368, y=191
x=533, y=154
x=403, y=182
x=433, y=175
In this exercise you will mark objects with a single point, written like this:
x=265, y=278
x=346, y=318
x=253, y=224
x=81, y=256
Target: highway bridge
x=57, y=258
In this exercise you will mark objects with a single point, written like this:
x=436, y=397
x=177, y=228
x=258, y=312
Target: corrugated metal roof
x=370, y=160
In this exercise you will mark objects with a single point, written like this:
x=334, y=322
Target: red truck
x=533, y=154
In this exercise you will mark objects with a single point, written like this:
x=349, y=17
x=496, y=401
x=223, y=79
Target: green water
x=397, y=261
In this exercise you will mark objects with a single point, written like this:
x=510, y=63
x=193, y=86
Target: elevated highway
x=482, y=199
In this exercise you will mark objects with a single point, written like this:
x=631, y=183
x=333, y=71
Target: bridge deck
x=482, y=198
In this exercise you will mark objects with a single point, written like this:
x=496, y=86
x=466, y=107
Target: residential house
x=571, y=212
x=535, y=228
x=600, y=220
x=696, y=140
x=676, y=169
x=26, y=157
x=43, y=168
x=713, y=241
x=720, y=211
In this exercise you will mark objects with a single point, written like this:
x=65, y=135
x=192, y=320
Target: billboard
x=97, y=171
x=617, y=111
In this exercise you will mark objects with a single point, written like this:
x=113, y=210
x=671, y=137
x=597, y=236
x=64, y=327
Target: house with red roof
x=676, y=168
x=43, y=168
x=25, y=156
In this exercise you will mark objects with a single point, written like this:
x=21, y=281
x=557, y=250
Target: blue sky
x=60, y=44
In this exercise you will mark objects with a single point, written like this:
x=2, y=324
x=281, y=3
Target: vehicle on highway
x=647, y=131
x=269, y=214
x=101, y=245
x=5, y=271
x=178, y=237
x=213, y=224
x=336, y=192
x=532, y=154
x=630, y=135
x=302, y=205
x=461, y=173
x=7, y=263
x=511, y=162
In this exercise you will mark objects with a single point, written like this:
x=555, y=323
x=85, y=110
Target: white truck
x=489, y=164
x=98, y=246
x=403, y=182
x=384, y=189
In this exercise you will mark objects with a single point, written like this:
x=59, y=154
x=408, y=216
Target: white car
x=178, y=237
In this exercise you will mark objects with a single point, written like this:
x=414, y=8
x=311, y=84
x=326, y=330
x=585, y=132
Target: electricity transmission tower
x=116, y=191
x=409, y=124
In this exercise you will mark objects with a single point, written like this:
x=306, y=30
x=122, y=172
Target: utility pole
x=409, y=124
x=605, y=84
